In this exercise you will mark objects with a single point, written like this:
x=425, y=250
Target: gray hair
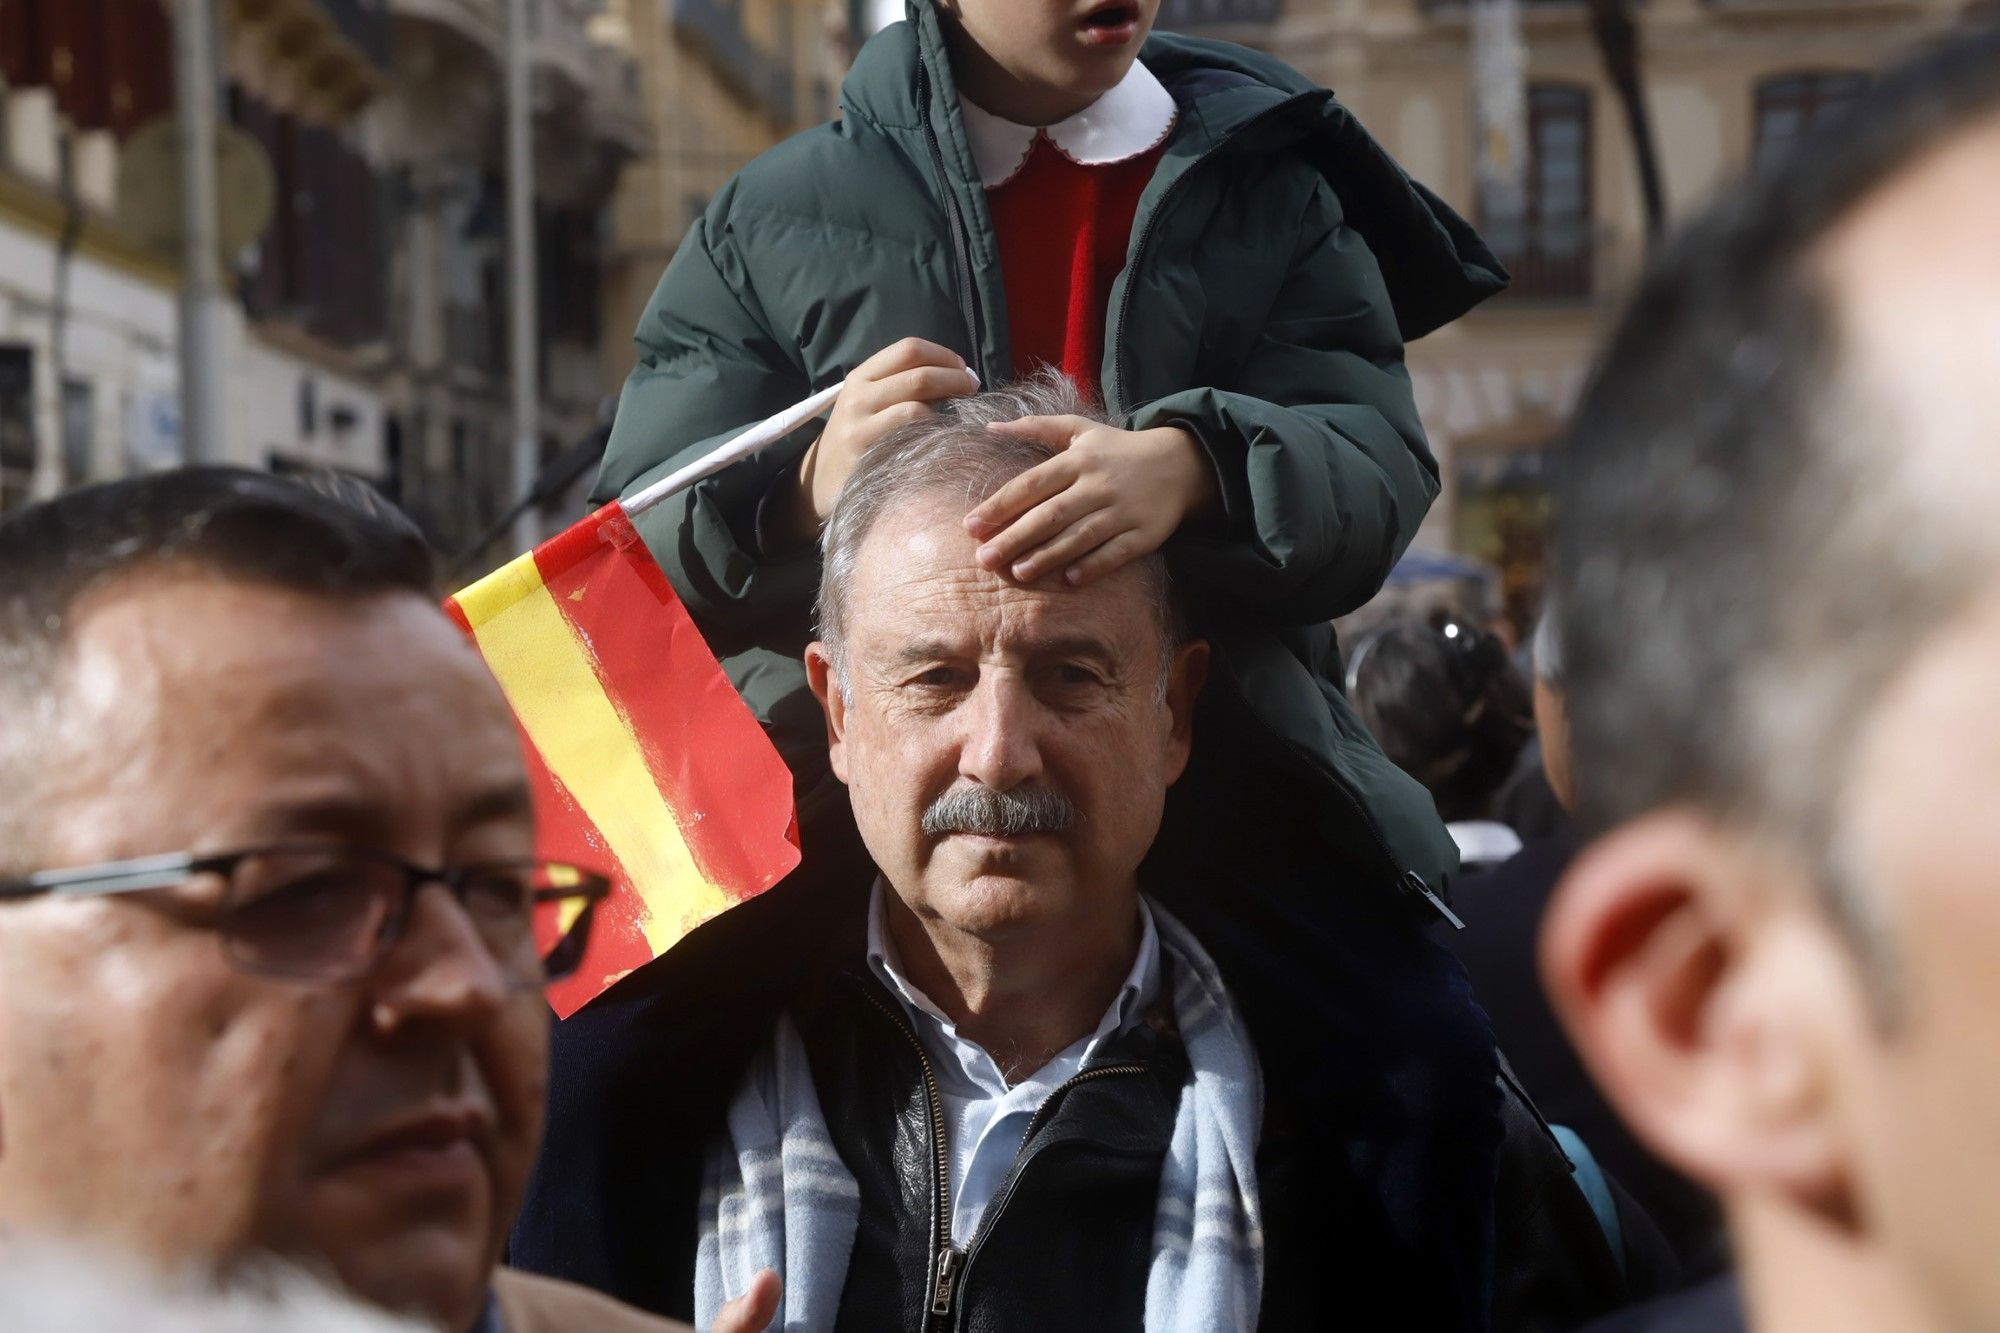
x=1745, y=553
x=955, y=450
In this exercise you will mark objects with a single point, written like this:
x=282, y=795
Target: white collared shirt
x=1129, y=120
x=985, y=1119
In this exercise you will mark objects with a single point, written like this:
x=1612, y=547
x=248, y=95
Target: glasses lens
x=500, y=899
x=565, y=901
x=311, y=912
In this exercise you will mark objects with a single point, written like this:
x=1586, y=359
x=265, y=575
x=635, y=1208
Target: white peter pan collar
x=1129, y=120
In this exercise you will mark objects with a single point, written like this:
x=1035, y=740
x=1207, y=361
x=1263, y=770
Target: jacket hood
x=1434, y=264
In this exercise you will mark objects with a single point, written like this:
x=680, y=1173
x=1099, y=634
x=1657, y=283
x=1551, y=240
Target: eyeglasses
x=329, y=912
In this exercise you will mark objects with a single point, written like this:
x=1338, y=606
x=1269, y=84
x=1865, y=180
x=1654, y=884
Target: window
x=320, y=264
x=1789, y=105
x=79, y=430
x=17, y=426
x=1549, y=250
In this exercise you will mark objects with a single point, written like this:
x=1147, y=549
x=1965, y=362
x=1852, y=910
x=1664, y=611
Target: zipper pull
x=947, y=1282
x=1412, y=882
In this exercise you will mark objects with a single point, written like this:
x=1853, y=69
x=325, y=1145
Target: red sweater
x=1063, y=231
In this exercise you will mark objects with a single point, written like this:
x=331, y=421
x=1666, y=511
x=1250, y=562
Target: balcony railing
x=1552, y=264
x=762, y=77
x=1216, y=13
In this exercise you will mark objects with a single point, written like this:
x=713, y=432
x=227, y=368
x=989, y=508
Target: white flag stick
x=755, y=440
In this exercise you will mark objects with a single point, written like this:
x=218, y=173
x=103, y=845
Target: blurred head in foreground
x=232, y=1022
x=48, y=1289
x=1779, y=569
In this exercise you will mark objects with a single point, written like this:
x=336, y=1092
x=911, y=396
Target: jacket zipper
x=968, y=306
x=1042, y=1112
x=1006, y=1191
x=951, y=1262
x=944, y=1279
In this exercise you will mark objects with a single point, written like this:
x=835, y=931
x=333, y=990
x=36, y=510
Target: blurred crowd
x=1206, y=921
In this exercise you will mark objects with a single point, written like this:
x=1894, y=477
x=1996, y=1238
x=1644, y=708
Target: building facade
x=362, y=176
x=438, y=132
x=1728, y=84
x=721, y=81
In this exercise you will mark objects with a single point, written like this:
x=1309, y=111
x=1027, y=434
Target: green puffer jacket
x=1278, y=262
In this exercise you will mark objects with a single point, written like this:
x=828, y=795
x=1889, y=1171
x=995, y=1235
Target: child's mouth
x=1110, y=25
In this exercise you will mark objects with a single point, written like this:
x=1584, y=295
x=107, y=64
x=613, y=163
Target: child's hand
x=895, y=385
x=1110, y=497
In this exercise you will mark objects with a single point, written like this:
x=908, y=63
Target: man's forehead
x=189, y=632
x=264, y=700
x=918, y=573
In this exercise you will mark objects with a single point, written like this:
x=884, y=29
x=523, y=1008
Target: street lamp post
x=203, y=425
x=523, y=362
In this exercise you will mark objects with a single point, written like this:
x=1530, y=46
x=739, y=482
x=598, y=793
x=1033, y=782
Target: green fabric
x=1277, y=263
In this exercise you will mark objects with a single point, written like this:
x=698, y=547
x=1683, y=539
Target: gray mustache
x=1000, y=814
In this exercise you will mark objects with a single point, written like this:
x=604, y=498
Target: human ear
x=1696, y=987
x=826, y=687
x=1185, y=678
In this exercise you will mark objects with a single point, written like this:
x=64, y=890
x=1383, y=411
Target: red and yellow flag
x=646, y=763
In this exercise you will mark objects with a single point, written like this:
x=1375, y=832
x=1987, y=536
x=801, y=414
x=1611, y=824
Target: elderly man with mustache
x=1024, y=1064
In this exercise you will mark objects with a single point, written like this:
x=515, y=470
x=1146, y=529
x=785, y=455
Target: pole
x=523, y=362
x=1617, y=37
x=203, y=427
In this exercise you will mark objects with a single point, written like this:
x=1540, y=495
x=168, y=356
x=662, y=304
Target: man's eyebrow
x=362, y=819
x=1068, y=645
x=927, y=650
x=1076, y=645
x=512, y=801
x=338, y=816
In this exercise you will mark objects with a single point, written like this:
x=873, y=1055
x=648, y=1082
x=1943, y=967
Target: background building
x=1728, y=84
x=721, y=80
x=437, y=131
x=368, y=331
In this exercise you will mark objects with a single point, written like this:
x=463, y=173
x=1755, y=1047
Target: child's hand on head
x=896, y=384
x=1110, y=497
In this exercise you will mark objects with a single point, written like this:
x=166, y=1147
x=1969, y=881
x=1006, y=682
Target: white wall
x=267, y=391
x=120, y=340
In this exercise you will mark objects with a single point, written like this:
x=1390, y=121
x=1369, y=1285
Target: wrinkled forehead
x=917, y=577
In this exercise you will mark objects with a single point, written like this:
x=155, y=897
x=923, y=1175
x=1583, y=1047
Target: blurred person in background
x=1447, y=706
x=1502, y=907
x=1535, y=800
x=1780, y=571
x=1433, y=587
x=272, y=933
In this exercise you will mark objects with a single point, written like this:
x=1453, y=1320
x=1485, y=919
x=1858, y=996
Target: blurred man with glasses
x=272, y=933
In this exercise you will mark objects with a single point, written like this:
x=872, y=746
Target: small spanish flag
x=645, y=761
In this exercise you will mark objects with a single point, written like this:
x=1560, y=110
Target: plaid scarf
x=777, y=1195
